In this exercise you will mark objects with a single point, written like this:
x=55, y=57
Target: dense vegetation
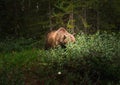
x=93, y=59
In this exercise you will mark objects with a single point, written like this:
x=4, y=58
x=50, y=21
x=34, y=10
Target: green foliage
x=11, y=45
x=93, y=59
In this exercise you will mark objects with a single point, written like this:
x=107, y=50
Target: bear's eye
x=64, y=37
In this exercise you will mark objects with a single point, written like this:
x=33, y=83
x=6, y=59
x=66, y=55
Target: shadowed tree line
x=32, y=18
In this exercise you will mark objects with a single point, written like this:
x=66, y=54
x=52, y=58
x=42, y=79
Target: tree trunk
x=85, y=18
x=98, y=20
x=71, y=20
x=50, y=19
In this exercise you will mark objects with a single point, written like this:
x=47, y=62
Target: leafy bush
x=93, y=59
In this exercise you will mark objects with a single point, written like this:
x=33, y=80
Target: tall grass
x=93, y=59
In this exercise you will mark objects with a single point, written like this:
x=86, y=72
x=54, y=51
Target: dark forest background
x=33, y=18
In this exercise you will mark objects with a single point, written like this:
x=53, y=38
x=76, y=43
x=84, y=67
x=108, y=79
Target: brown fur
x=58, y=37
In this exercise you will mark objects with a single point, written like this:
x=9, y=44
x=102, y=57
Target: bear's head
x=59, y=37
x=63, y=37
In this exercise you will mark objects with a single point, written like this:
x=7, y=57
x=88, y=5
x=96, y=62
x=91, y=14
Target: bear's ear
x=61, y=29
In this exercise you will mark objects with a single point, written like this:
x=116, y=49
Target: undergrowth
x=92, y=60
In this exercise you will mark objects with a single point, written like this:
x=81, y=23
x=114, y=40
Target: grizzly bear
x=59, y=37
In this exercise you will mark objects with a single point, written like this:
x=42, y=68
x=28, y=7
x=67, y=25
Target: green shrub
x=93, y=59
